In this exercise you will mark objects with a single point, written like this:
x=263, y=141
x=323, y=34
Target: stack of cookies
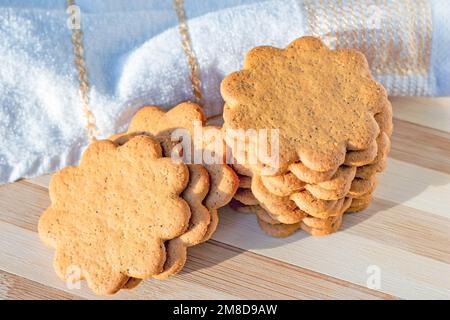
x=332, y=124
x=130, y=210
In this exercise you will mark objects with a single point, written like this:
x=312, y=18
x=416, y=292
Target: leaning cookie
x=146, y=209
x=184, y=119
x=194, y=195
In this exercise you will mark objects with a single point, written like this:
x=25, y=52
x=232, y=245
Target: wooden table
x=404, y=235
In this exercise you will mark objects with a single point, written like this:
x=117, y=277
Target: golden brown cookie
x=265, y=216
x=340, y=180
x=110, y=216
x=194, y=194
x=360, y=203
x=283, y=185
x=336, y=188
x=240, y=207
x=278, y=230
x=203, y=221
x=361, y=157
x=320, y=232
x=280, y=208
x=358, y=206
x=362, y=186
x=316, y=207
x=379, y=164
x=317, y=223
x=189, y=117
x=256, y=209
x=242, y=169
x=337, y=112
x=224, y=184
x=246, y=197
x=310, y=176
x=329, y=222
x=326, y=194
x=212, y=224
x=245, y=182
x=384, y=120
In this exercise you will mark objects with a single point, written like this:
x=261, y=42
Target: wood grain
x=405, y=233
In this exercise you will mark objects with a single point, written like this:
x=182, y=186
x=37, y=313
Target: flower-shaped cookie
x=110, y=216
x=322, y=102
x=189, y=117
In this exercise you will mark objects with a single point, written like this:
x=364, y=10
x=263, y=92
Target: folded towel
x=134, y=57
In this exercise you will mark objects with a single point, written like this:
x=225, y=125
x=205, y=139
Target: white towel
x=134, y=57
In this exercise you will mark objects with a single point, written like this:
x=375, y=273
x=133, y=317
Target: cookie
x=212, y=224
x=362, y=186
x=186, y=116
x=326, y=194
x=332, y=93
x=283, y=185
x=202, y=223
x=320, y=232
x=256, y=209
x=242, y=208
x=246, y=197
x=263, y=215
x=360, y=203
x=224, y=184
x=316, y=207
x=197, y=231
x=361, y=157
x=242, y=169
x=317, y=223
x=245, y=182
x=343, y=177
x=307, y=175
x=384, y=120
x=328, y=222
x=379, y=164
x=280, y=208
x=278, y=230
x=110, y=216
x=190, y=117
x=194, y=194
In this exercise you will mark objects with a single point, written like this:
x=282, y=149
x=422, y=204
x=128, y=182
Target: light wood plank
x=213, y=271
x=22, y=203
x=405, y=232
x=422, y=146
x=343, y=255
x=24, y=255
x=416, y=187
x=404, y=228
x=404, y=184
x=429, y=112
x=13, y=287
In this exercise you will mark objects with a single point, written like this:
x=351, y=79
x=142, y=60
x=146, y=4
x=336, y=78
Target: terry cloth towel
x=134, y=57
